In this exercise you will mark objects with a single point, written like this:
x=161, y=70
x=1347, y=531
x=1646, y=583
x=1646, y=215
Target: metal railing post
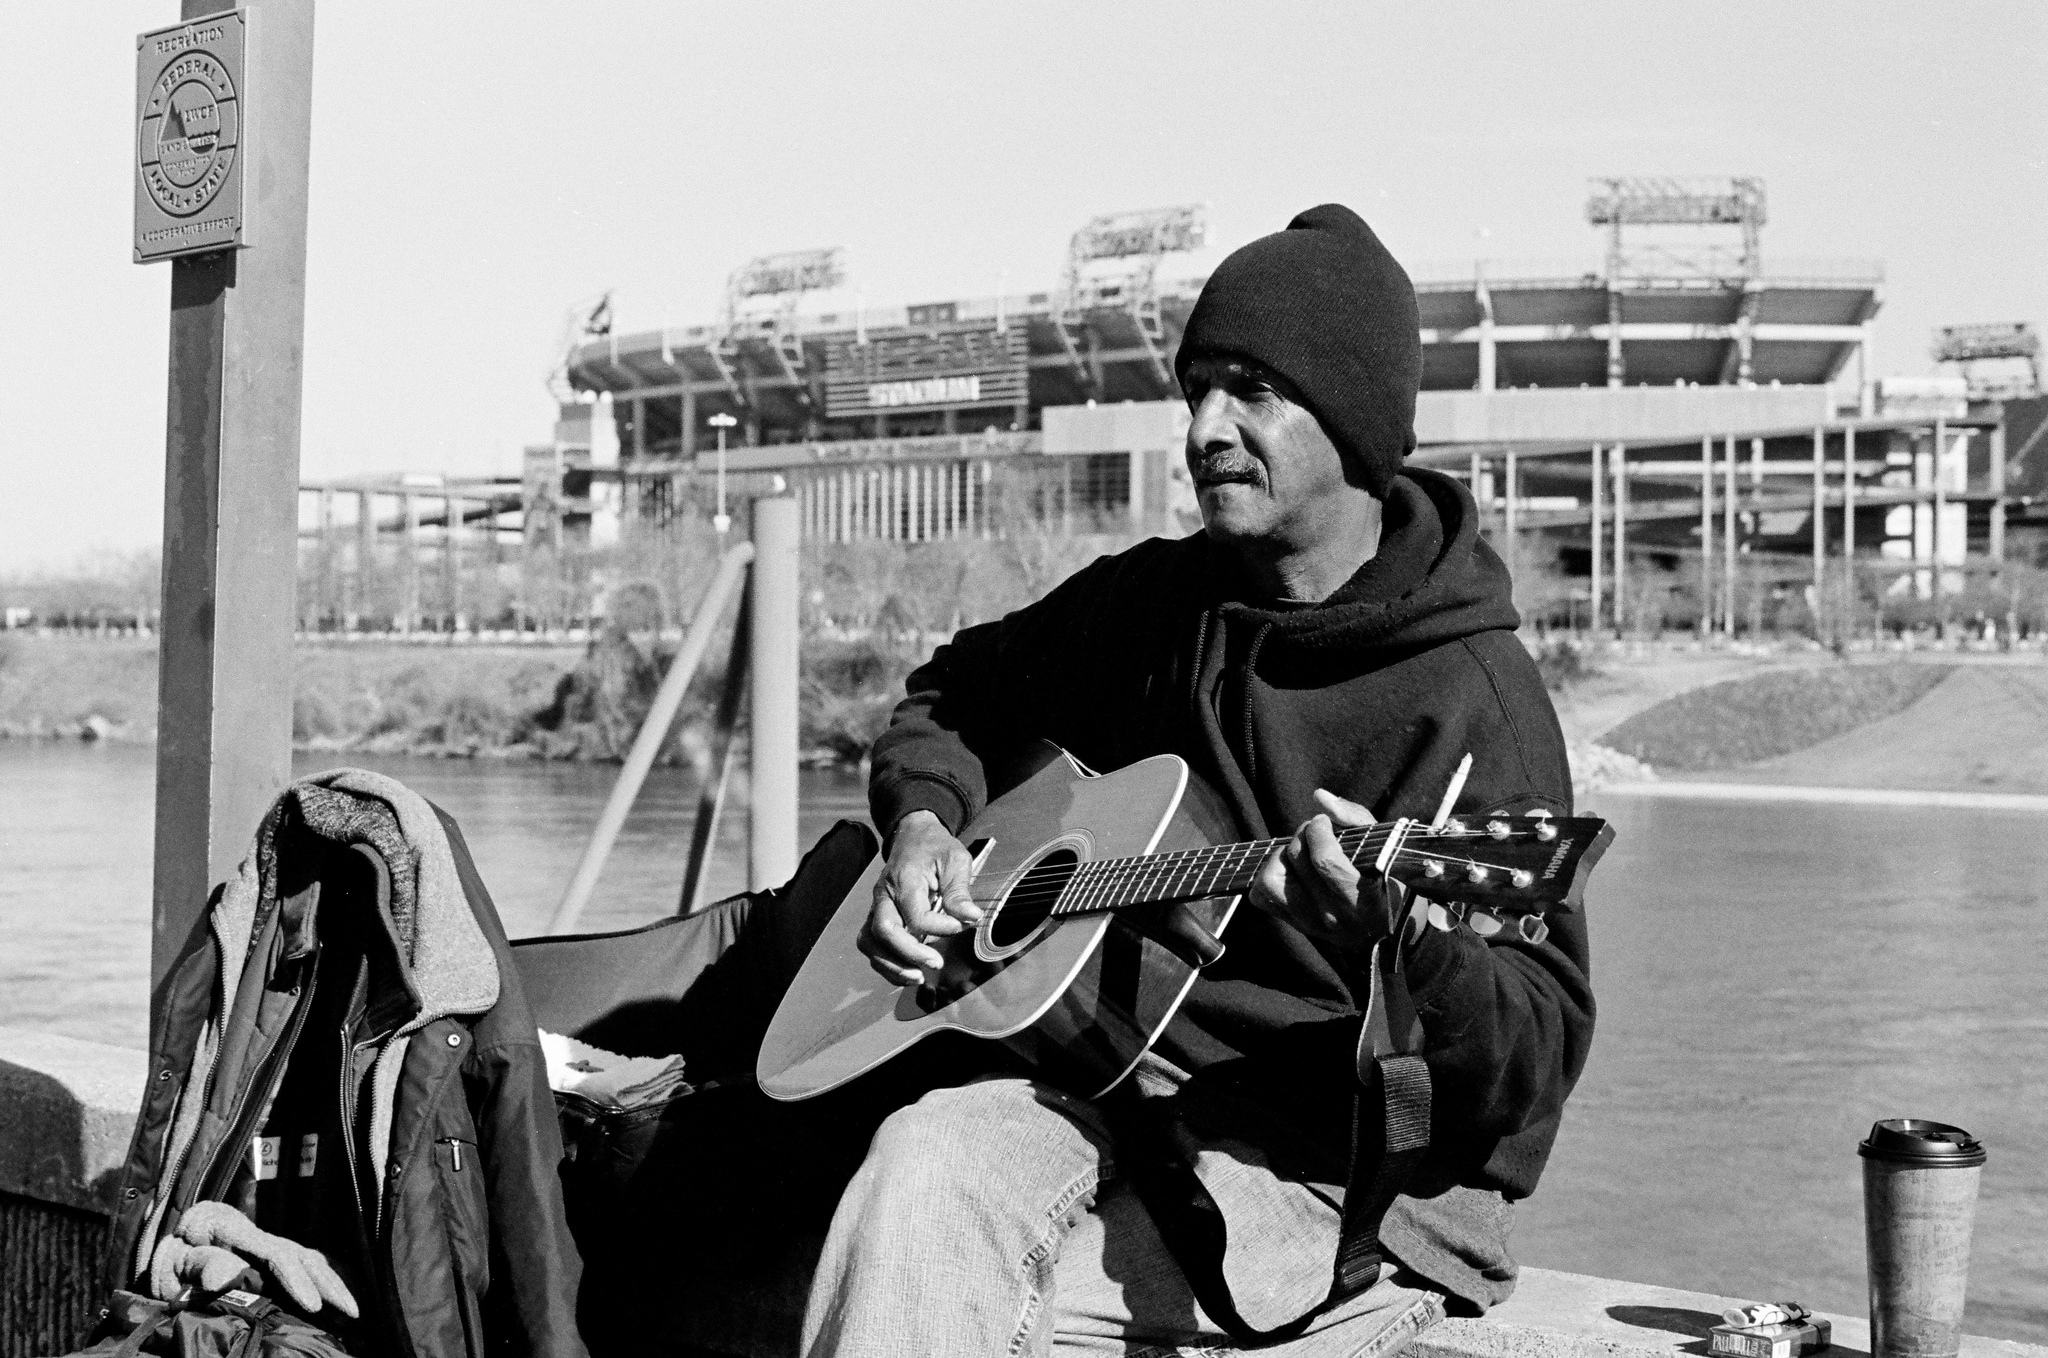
x=661, y=714
x=772, y=744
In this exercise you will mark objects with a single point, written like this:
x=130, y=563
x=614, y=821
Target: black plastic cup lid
x=1916, y=1141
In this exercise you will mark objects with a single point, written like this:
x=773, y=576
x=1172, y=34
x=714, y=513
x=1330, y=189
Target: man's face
x=1264, y=469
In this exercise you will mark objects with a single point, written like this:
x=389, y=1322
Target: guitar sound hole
x=1032, y=900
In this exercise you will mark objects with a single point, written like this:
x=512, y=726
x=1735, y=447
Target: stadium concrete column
x=1706, y=536
x=1849, y=503
x=1620, y=539
x=1728, y=544
x=1595, y=601
x=1866, y=395
x=328, y=583
x=1996, y=545
x=231, y=478
x=1617, y=371
x=1509, y=523
x=1936, y=545
x=1820, y=542
x=688, y=446
x=1488, y=351
x=366, y=548
x=412, y=563
x=451, y=559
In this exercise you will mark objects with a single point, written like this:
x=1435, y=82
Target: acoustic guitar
x=1102, y=896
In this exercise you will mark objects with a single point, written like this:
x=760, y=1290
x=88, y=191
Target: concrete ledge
x=1569, y=1315
x=67, y=1112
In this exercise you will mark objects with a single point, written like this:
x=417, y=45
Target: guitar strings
x=1042, y=881
x=1063, y=875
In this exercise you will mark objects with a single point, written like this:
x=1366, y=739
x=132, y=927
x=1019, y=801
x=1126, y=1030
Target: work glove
x=178, y=1265
x=219, y=1230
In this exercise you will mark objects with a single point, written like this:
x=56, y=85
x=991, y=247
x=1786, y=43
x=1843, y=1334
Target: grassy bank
x=873, y=612
x=60, y=686
x=1762, y=716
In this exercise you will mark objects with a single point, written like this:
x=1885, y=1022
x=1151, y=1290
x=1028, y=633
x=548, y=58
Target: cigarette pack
x=1788, y=1340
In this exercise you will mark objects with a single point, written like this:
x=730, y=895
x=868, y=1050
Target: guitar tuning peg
x=1440, y=918
x=1545, y=831
x=1521, y=878
x=1532, y=929
x=1476, y=873
x=1484, y=924
x=1499, y=829
x=1432, y=868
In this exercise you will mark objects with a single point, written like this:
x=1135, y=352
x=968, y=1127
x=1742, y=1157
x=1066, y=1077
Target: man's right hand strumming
x=923, y=894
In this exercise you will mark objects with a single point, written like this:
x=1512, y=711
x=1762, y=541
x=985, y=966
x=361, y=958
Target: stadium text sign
x=190, y=137
x=935, y=367
x=929, y=391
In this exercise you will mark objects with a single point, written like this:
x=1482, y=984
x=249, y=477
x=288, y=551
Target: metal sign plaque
x=190, y=134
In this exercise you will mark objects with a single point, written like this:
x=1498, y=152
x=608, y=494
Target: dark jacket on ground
x=1373, y=694
x=351, y=1000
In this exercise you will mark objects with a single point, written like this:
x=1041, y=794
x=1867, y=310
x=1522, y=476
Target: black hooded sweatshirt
x=1375, y=694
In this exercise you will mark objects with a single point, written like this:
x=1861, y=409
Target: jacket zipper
x=348, y=1119
x=145, y=1244
x=377, y=1190
x=274, y=1078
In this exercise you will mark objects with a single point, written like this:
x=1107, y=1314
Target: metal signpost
x=223, y=124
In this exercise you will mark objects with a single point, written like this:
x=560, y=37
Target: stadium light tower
x=1663, y=200
x=784, y=278
x=1133, y=243
x=1969, y=345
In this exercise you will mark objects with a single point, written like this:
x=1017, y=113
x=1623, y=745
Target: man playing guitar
x=1322, y=653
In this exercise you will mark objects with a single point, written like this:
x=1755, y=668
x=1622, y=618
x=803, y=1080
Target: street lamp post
x=721, y=521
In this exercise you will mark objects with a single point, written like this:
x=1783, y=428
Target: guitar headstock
x=1522, y=865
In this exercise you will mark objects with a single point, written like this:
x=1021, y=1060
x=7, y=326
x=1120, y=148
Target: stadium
x=1674, y=429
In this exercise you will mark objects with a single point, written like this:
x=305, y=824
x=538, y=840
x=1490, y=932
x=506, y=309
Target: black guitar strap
x=1389, y=1136
x=1390, y=1132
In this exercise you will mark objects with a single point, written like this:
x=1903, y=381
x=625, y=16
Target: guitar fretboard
x=1185, y=875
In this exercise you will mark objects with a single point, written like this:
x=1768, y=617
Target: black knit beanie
x=1324, y=305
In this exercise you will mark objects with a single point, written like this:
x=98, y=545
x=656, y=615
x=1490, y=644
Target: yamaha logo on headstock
x=1564, y=848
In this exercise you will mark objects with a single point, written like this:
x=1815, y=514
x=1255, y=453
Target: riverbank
x=1794, y=715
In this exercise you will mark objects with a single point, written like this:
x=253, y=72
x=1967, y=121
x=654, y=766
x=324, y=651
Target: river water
x=1771, y=979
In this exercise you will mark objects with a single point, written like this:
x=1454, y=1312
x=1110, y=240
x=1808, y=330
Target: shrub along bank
x=872, y=611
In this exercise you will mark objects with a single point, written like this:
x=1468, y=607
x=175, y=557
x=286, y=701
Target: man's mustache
x=1228, y=468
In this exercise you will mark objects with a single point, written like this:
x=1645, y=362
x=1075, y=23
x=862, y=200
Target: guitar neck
x=1190, y=874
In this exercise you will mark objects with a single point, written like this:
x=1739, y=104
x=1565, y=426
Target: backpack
x=230, y=1324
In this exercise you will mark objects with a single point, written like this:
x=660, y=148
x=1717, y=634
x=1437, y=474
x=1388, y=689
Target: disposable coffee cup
x=1919, y=1202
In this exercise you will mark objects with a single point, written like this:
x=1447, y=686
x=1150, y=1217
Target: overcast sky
x=479, y=169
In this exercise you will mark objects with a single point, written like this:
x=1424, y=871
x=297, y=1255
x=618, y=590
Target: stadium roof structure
x=1548, y=326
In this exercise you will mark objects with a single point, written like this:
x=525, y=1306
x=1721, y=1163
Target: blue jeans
x=988, y=1219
